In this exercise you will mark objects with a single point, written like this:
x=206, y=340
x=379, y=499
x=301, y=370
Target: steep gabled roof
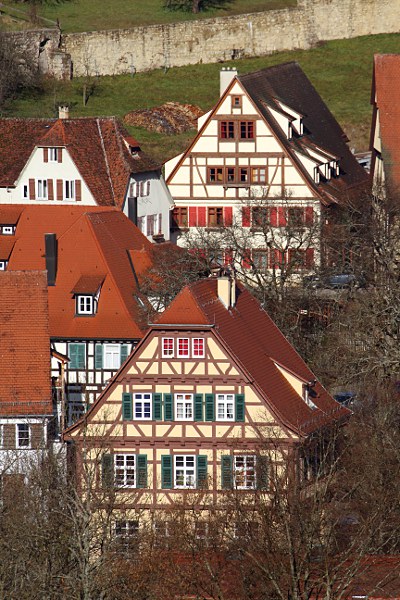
x=93, y=247
x=25, y=384
x=102, y=150
x=257, y=343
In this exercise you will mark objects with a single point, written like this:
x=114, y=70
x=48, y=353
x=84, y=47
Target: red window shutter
x=78, y=190
x=192, y=216
x=246, y=216
x=32, y=194
x=273, y=217
x=228, y=216
x=50, y=190
x=45, y=155
x=201, y=216
x=309, y=258
x=59, y=189
x=309, y=219
x=228, y=256
x=282, y=217
x=277, y=258
x=246, y=259
x=59, y=155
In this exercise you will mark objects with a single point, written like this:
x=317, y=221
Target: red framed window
x=167, y=347
x=227, y=130
x=215, y=216
x=243, y=174
x=246, y=130
x=215, y=174
x=198, y=347
x=180, y=216
x=183, y=347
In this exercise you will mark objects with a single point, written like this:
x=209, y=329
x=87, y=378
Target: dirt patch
x=170, y=118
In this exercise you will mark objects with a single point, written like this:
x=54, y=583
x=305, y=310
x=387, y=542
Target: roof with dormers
x=261, y=349
x=25, y=383
x=102, y=150
x=95, y=246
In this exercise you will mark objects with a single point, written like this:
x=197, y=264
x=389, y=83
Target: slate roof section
x=102, y=150
x=25, y=384
x=257, y=343
x=92, y=246
x=289, y=84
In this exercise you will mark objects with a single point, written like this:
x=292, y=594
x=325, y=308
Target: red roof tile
x=6, y=246
x=88, y=284
x=25, y=384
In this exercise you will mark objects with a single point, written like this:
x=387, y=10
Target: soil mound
x=170, y=118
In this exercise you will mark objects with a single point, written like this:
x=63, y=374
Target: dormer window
x=290, y=131
x=7, y=229
x=87, y=293
x=316, y=175
x=3, y=265
x=85, y=305
x=308, y=394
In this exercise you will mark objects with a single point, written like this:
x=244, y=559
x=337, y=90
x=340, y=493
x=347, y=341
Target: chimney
x=63, y=112
x=226, y=288
x=226, y=75
x=50, y=242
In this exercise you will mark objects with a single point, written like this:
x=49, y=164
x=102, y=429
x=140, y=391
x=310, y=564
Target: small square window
x=3, y=265
x=168, y=347
x=183, y=347
x=236, y=101
x=7, y=230
x=85, y=305
x=23, y=435
x=198, y=347
x=126, y=528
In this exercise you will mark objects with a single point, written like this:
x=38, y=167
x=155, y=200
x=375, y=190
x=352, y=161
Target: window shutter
x=228, y=256
x=201, y=216
x=309, y=258
x=192, y=216
x=127, y=408
x=142, y=471
x=226, y=472
x=77, y=356
x=309, y=218
x=209, y=407
x=168, y=408
x=239, y=398
x=107, y=470
x=50, y=189
x=273, y=217
x=202, y=476
x=246, y=259
x=166, y=472
x=282, y=217
x=98, y=356
x=60, y=194
x=198, y=407
x=78, y=190
x=59, y=155
x=45, y=155
x=228, y=216
x=32, y=194
x=262, y=474
x=246, y=216
x=157, y=407
x=124, y=353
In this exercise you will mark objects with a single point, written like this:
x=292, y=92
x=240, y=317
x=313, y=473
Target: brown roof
x=25, y=384
x=88, y=284
x=6, y=246
x=257, y=343
x=101, y=149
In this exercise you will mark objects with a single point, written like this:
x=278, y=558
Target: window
x=246, y=130
x=201, y=530
x=162, y=531
x=7, y=230
x=183, y=347
x=225, y=407
x=215, y=217
x=25, y=195
x=295, y=215
x=85, y=305
x=243, y=174
x=236, y=101
x=151, y=224
x=141, y=223
x=198, y=347
x=125, y=529
x=184, y=407
x=259, y=175
x=185, y=474
x=112, y=356
x=76, y=355
x=53, y=154
x=41, y=192
x=260, y=216
x=180, y=216
x=245, y=472
x=167, y=347
x=215, y=175
x=227, y=130
x=3, y=265
x=23, y=435
x=125, y=470
x=142, y=406
x=69, y=190
x=260, y=260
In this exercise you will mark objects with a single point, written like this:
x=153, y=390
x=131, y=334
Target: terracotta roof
x=25, y=384
x=88, y=284
x=6, y=246
x=10, y=214
x=385, y=92
x=250, y=334
x=99, y=147
x=92, y=246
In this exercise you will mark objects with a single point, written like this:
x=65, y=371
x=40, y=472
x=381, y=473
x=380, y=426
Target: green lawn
x=340, y=70
x=89, y=15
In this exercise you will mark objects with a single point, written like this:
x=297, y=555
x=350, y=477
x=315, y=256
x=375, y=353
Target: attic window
x=3, y=265
x=53, y=154
x=308, y=394
x=87, y=293
x=236, y=101
x=7, y=230
x=316, y=175
x=85, y=305
x=290, y=131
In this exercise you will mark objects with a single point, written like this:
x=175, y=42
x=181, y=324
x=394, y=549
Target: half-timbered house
x=211, y=388
x=269, y=155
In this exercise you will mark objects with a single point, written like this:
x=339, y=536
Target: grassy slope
x=340, y=71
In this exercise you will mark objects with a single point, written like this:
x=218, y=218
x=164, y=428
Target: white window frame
x=18, y=437
x=41, y=189
x=110, y=352
x=139, y=400
x=187, y=470
x=124, y=470
x=202, y=355
x=224, y=401
x=166, y=354
x=186, y=400
x=53, y=155
x=240, y=472
x=3, y=265
x=178, y=352
x=85, y=304
x=69, y=189
x=7, y=230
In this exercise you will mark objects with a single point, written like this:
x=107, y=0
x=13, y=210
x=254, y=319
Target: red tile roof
x=250, y=334
x=99, y=147
x=88, y=284
x=6, y=246
x=93, y=245
x=25, y=384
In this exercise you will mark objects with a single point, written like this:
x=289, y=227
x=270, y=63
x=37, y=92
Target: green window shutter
x=157, y=407
x=127, y=408
x=198, y=407
x=107, y=470
x=166, y=472
x=226, y=472
x=262, y=472
x=98, y=356
x=168, y=407
x=239, y=407
x=124, y=353
x=210, y=407
x=142, y=471
x=76, y=354
x=81, y=356
x=202, y=477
